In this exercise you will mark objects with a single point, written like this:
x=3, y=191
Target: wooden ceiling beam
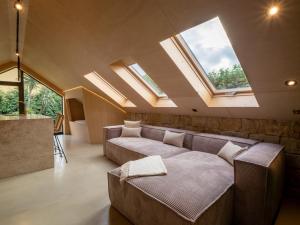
x=10, y=65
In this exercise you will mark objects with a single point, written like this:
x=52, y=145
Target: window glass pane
x=9, y=100
x=147, y=80
x=210, y=46
x=10, y=75
x=41, y=100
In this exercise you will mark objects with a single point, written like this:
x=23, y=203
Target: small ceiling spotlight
x=17, y=54
x=290, y=83
x=18, y=5
x=273, y=10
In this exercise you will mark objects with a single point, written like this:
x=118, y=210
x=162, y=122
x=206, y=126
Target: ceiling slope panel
x=5, y=33
x=67, y=39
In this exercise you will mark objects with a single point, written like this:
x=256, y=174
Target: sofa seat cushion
x=196, y=183
x=124, y=149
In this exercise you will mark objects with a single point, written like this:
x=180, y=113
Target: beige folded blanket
x=149, y=166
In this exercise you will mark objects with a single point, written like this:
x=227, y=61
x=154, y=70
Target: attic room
x=143, y=112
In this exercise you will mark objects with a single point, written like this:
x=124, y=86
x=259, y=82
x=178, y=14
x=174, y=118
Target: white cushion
x=230, y=151
x=173, y=138
x=132, y=124
x=131, y=132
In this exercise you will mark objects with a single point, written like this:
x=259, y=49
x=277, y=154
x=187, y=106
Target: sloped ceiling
x=64, y=40
x=5, y=33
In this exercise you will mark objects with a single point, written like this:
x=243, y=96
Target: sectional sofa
x=200, y=187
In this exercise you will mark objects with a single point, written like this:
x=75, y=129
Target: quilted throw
x=149, y=166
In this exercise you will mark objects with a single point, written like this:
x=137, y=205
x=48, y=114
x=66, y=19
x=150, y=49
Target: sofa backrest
x=158, y=133
x=212, y=143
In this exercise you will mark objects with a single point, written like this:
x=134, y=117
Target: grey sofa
x=200, y=187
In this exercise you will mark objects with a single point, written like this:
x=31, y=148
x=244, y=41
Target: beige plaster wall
x=26, y=146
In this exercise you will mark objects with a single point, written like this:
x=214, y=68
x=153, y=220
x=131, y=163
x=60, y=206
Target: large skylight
x=147, y=80
x=210, y=46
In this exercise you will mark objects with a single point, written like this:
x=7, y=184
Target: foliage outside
x=9, y=101
x=38, y=99
x=153, y=85
x=228, y=78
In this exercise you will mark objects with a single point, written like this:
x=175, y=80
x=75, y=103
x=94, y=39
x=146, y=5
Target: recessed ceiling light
x=273, y=10
x=290, y=83
x=18, y=6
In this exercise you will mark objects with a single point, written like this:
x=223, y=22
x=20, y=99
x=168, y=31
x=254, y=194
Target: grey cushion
x=130, y=148
x=212, y=143
x=229, y=151
x=173, y=138
x=131, y=132
x=157, y=133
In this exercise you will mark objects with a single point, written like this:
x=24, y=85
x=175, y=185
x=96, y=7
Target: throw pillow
x=173, y=138
x=230, y=151
x=132, y=124
x=131, y=132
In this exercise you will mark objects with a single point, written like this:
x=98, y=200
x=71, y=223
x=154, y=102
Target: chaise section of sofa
x=198, y=189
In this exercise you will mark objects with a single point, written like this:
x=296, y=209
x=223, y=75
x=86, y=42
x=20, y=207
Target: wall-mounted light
x=18, y=5
x=290, y=83
x=273, y=10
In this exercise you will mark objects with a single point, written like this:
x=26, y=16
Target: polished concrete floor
x=76, y=193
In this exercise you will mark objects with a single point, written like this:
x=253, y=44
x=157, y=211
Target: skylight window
x=206, y=59
x=130, y=74
x=210, y=49
x=108, y=89
x=147, y=79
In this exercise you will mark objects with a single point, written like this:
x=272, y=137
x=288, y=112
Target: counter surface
x=26, y=144
x=23, y=117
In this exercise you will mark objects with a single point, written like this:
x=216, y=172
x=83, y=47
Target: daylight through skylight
x=147, y=80
x=209, y=44
x=108, y=89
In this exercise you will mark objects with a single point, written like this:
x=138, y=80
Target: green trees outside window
x=229, y=78
x=9, y=100
x=38, y=99
x=41, y=100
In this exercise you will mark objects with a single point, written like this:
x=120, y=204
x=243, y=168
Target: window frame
x=138, y=76
x=21, y=84
x=110, y=86
x=46, y=86
x=122, y=100
x=189, y=56
x=10, y=83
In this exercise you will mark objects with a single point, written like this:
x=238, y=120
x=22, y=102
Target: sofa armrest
x=110, y=132
x=259, y=179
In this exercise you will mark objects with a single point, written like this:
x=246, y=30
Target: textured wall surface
x=283, y=132
x=286, y=133
x=26, y=145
